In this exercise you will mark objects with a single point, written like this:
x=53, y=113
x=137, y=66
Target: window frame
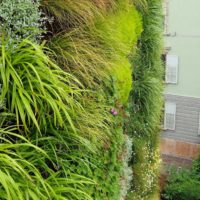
x=174, y=65
x=170, y=111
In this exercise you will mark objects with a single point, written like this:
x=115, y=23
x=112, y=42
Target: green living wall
x=79, y=84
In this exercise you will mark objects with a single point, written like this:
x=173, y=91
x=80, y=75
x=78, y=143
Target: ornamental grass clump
x=35, y=88
x=40, y=166
x=141, y=5
x=147, y=77
x=146, y=102
x=78, y=52
x=31, y=172
x=119, y=40
x=68, y=14
x=41, y=95
x=92, y=53
x=117, y=44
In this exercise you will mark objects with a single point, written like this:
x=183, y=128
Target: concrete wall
x=185, y=150
x=183, y=28
x=187, y=119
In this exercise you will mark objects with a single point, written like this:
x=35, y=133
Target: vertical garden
x=80, y=99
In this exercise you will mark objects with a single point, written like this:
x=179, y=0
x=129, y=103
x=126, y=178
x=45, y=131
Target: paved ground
x=174, y=160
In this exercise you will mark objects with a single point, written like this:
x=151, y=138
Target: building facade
x=182, y=78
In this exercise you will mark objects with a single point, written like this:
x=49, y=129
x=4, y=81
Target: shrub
x=20, y=19
x=196, y=167
x=182, y=184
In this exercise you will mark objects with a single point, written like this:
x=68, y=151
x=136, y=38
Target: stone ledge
x=174, y=160
x=178, y=148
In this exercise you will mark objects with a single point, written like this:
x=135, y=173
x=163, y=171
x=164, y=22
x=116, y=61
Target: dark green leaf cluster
x=183, y=183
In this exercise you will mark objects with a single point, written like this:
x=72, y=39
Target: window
x=171, y=74
x=170, y=116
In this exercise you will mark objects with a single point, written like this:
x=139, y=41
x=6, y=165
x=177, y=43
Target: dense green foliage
x=64, y=99
x=35, y=87
x=26, y=174
x=145, y=103
x=56, y=129
x=20, y=19
x=98, y=57
x=183, y=183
